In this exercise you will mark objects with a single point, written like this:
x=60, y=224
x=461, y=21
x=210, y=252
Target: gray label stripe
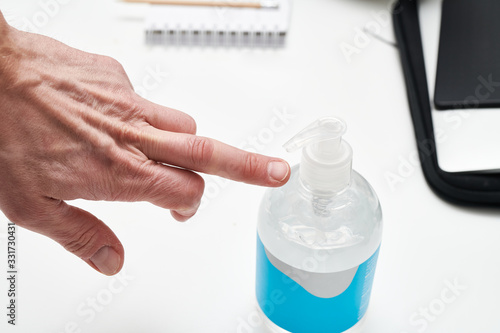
x=324, y=285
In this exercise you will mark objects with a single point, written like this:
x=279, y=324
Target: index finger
x=214, y=157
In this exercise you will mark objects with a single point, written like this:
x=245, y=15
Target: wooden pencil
x=228, y=3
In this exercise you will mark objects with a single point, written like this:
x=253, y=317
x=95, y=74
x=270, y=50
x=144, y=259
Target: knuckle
x=115, y=74
x=123, y=177
x=80, y=242
x=182, y=192
x=111, y=62
x=134, y=179
x=200, y=151
x=105, y=152
x=194, y=190
x=190, y=193
x=251, y=166
x=128, y=133
x=136, y=112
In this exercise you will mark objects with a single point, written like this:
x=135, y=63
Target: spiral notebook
x=218, y=26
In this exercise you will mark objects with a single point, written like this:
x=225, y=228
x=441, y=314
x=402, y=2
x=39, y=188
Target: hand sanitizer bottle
x=318, y=238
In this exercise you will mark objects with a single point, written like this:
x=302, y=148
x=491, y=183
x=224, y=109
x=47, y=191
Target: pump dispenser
x=318, y=238
x=326, y=159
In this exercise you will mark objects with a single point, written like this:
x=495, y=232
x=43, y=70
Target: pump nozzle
x=323, y=129
x=326, y=158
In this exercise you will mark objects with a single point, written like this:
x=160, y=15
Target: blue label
x=299, y=302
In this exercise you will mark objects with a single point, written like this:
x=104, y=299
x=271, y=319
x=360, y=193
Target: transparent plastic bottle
x=318, y=238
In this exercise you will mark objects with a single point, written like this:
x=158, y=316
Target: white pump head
x=326, y=159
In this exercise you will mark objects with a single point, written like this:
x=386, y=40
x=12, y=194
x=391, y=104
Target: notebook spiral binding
x=213, y=37
x=204, y=26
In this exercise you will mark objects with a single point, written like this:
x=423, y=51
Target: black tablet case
x=468, y=72
x=474, y=188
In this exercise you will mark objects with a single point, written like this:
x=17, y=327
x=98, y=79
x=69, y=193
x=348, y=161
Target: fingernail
x=106, y=260
x=278, y=170
x=186, y=213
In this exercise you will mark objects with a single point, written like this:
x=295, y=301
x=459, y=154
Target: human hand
x=71, y=126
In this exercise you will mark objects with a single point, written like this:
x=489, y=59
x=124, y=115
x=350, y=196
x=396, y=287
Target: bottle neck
x=322, y=201
x=325, y=173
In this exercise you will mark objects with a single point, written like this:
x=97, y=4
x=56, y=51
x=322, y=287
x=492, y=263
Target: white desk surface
x=199, y=276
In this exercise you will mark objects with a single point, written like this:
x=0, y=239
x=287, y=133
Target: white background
x=199, y=276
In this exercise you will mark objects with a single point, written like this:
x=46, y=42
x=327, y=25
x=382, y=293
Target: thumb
x=84, y=235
